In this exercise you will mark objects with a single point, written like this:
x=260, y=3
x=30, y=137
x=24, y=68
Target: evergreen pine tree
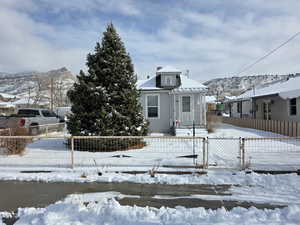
x=105, y=100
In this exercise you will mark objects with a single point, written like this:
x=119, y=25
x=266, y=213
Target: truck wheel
x=33, y=131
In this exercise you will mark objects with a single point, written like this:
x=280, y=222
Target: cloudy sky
x=210, y=38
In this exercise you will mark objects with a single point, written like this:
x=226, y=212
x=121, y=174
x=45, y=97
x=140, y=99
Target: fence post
x=47, y=130
x=242, y=149
x=203, y=152
x=72, y=152
x=206, y=163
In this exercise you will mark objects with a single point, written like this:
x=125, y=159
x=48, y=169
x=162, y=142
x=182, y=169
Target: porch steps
x=199, y=132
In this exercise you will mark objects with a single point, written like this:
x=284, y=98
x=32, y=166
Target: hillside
x=37, y=85
x=233, y=86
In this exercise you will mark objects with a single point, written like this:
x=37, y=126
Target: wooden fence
x=286, y=128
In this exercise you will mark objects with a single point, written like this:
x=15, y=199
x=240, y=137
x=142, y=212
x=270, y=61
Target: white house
x=173, y=103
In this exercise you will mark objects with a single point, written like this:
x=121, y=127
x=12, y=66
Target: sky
x=215, y=38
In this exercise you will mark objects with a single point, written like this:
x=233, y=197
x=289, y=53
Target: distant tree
x=105, y=100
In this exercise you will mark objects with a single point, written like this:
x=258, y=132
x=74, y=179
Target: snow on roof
x=168, y=69
x=6, y=105
x=210, y=99
x=287, y=89
x=4, y=95
x=230, y=97
x=186, y=84
x=149, y=84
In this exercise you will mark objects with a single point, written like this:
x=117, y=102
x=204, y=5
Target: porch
x=188, y=111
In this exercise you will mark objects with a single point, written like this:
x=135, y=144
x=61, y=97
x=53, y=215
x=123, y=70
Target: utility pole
x=51, y=93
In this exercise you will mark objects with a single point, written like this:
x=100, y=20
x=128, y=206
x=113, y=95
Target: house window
x=186, y=104
x=152, y=106
x=293, y=106
x=267, y=110
x=169, y=80
x=239, y=106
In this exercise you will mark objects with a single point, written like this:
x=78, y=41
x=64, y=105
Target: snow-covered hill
x=37, y=85
x=232, y=86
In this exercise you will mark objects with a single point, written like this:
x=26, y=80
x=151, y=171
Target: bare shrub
x=213, y=122
x=11, y=145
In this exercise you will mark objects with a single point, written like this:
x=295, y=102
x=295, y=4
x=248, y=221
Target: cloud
x=210, y=39
x=124, y=7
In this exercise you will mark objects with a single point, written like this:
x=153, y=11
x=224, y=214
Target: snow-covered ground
x=223, y=148
x=51, y=154
x=103, y=208
x=109, y=211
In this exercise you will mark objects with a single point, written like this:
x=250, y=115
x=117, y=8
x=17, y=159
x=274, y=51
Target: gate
x=224, y=153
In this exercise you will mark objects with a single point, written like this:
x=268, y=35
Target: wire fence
x=224, y=153
x=48, y=151
x=75, y=152
x=278, y=153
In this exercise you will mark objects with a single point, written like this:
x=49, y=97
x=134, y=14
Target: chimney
x=187, y=73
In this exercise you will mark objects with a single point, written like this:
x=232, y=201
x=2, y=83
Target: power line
x=268, y=54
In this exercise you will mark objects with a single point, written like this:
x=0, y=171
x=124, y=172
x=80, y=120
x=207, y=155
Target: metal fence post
x=207, y=143
x=242, y=148
x=203, y=152
x=72, y=152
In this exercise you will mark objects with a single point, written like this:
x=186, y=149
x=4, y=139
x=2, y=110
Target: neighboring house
x=280, y=101
x=211, y=103
x=7, y=97
x=172, y=102
x=6, y=106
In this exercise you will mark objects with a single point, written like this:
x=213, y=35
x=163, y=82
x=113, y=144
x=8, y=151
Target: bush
x=14, y=146
x=107, y=144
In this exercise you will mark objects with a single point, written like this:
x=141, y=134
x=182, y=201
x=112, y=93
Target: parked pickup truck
x=30, y=118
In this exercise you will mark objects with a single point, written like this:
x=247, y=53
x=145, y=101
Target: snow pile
x=212, y=177
x=277, y=189
x=109, y=211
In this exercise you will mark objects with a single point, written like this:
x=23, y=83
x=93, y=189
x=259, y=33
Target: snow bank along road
x=106, y=210
x=103, y=208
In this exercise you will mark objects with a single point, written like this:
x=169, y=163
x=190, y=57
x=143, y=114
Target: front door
x=267, y=111
x=186, y=110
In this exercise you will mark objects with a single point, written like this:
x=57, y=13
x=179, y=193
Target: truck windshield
x=28, y=112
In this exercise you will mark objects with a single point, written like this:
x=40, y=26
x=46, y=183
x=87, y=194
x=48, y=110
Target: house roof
x=287, y=89
x=4, y=95
x=168, y=69
x=6, y=105
x=187, y=84
x=210, y=99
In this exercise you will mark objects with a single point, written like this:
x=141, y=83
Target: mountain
x=38, y=86
x=234, y=86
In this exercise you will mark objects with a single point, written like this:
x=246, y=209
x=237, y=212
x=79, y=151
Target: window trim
x=158, y=107
x=289, y=107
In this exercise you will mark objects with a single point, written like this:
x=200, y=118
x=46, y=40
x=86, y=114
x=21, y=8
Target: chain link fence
x=223, y=153
x=80, y=152
x=49, y=151
x=278, y=153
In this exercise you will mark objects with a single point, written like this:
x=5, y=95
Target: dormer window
x=167, y=77
x=169, y=80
